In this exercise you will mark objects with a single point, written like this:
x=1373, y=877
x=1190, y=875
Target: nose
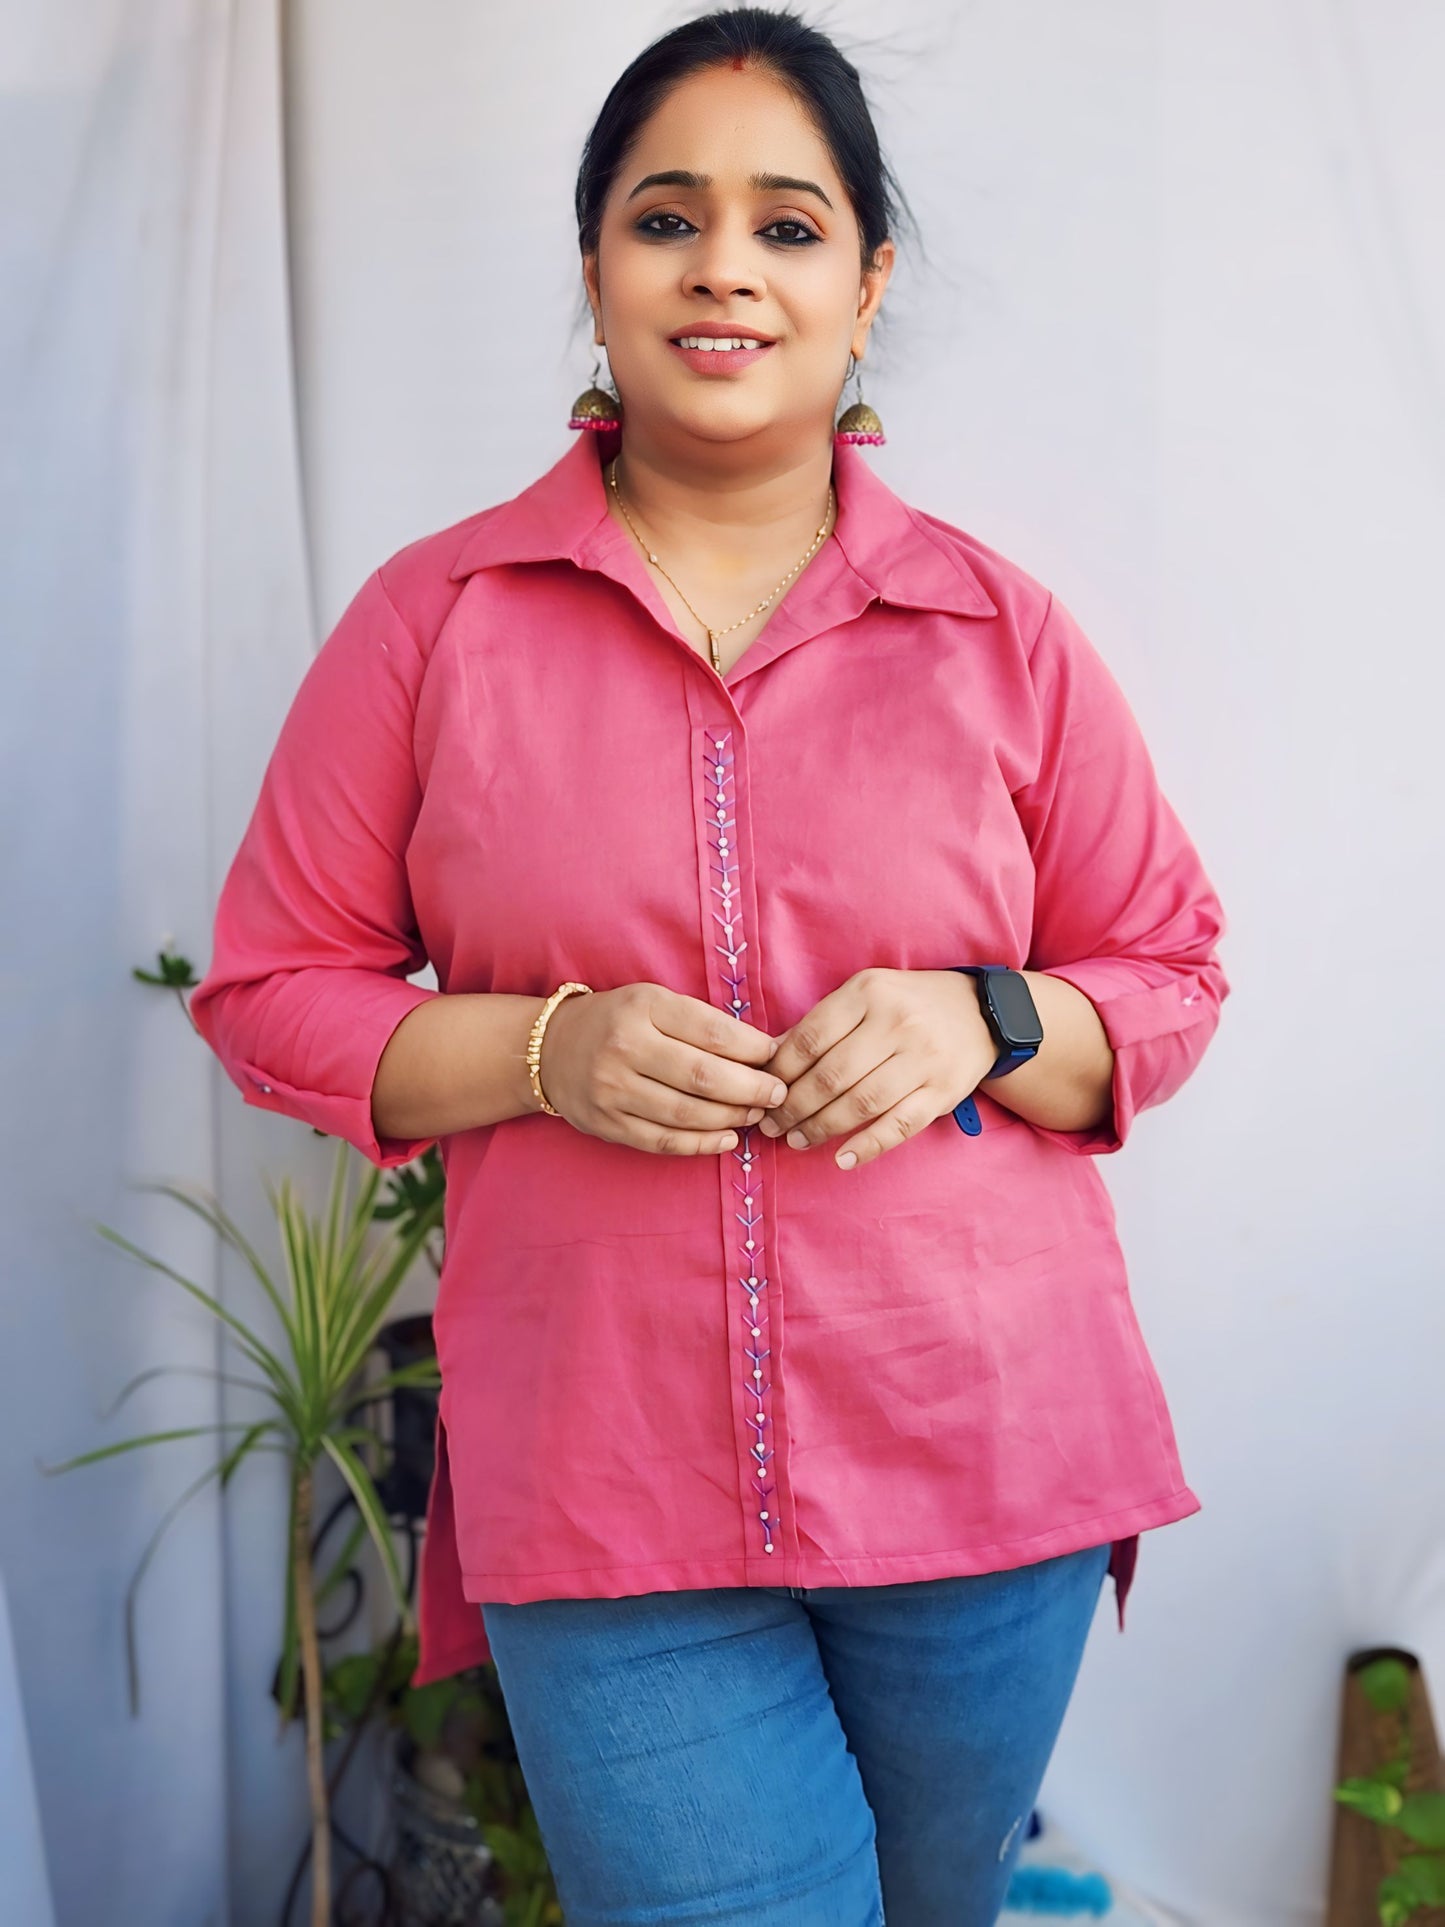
x=720, y=266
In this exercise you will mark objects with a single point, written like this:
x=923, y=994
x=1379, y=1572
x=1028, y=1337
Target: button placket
x=747, y=1258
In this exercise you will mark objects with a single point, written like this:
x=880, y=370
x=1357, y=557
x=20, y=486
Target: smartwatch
x=1013, y=1021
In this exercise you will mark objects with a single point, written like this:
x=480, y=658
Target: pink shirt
x=757, y=1368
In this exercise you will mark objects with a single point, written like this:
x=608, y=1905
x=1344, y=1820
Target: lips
x=714, y=360
x=715, y=331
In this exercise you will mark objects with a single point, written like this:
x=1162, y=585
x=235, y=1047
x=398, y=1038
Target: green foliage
x=1422, y=1817
x=175, y=972
x=330, y=1305
x=1419, y=1879
x=529, y=1899
x=464, y=1717
x=416, y=1188
x=1385, y=1683
x=1377, y=1798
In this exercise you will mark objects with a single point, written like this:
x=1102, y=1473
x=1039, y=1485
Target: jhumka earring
x=858, y=423
x=596, y=408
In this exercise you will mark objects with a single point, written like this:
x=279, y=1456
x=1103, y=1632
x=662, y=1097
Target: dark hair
x=805, y=60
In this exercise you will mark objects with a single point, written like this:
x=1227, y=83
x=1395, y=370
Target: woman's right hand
x=656, y=1069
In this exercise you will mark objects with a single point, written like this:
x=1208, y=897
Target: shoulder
x=1021, y=601
x=418, y=580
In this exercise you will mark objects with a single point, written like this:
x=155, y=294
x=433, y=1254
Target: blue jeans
x=794, y=1756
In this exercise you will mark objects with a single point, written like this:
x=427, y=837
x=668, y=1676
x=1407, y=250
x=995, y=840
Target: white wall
x=1179, y=352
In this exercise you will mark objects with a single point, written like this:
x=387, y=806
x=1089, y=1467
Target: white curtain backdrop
x=24, y=1882
x=1176, y=348
x=155, y=616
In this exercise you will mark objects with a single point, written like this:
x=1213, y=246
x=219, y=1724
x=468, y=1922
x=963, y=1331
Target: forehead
x=729, y=122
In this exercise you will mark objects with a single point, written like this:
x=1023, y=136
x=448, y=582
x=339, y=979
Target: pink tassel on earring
x=595, y=409
x=859, y=424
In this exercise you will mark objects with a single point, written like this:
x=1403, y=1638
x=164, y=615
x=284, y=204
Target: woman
x=807, y=921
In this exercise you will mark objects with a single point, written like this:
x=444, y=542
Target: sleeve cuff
x=1138, y=1021
x=337, y=1096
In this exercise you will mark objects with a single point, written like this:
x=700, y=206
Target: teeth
x=711, y=342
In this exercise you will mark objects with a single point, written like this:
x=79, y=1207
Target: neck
x=728, y=509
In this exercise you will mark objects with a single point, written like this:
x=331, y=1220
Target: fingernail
x=780, y=1092
x=770, y=1127
x=798, y=1140
x=846, y=1160
x=755, y=1114
x=729, y=1139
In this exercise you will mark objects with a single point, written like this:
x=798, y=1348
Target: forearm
x=1067, y=1085
x=455, y=1063
x=458, y=1062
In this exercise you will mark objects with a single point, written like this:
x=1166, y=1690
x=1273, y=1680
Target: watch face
x=1013, y=1007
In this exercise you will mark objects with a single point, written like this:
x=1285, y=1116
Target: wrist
x=524, y=1098
x=542, y=1045
x=1009, y=1014
x=968, y=989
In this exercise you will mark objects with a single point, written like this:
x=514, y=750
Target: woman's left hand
x=889, y=1050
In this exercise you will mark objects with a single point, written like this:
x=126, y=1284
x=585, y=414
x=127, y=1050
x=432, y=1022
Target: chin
x=724, y=425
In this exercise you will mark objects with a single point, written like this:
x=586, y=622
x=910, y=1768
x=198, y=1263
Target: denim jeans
x=794, y=1756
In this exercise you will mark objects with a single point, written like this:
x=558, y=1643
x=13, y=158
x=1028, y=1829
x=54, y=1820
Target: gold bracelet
x=534, y=1041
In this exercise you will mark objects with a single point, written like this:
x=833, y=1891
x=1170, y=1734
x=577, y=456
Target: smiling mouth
x=719, y=355
x=718, y=344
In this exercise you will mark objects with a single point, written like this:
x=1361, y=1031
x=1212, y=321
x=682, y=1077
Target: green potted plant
x=334, y=1291
x=467, y=1844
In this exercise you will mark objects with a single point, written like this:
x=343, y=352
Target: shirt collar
x=892, y=548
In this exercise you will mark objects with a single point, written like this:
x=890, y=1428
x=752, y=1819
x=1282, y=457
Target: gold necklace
x=713, y=634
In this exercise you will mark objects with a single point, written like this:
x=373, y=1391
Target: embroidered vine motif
x=747, y=1185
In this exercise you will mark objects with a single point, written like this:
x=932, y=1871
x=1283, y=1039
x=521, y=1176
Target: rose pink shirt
x=756, y=1368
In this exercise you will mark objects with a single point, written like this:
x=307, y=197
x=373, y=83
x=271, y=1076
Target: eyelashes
x=806, y=237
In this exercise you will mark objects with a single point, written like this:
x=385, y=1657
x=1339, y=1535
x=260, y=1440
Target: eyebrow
x=762, y=183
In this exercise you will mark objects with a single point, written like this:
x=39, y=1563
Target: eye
x=804, y=236
x=659, y=234
x=644, y=225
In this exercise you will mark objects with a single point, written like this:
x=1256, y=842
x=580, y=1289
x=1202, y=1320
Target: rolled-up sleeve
x=1123, y=908
x=314, y=933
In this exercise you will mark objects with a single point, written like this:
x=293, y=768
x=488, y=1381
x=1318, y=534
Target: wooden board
x=1362, y=1852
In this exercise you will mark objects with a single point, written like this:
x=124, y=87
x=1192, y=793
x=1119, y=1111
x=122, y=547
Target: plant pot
x=442, y=1871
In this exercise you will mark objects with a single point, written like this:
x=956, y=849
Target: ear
x=870, y=295
x=594, y=295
